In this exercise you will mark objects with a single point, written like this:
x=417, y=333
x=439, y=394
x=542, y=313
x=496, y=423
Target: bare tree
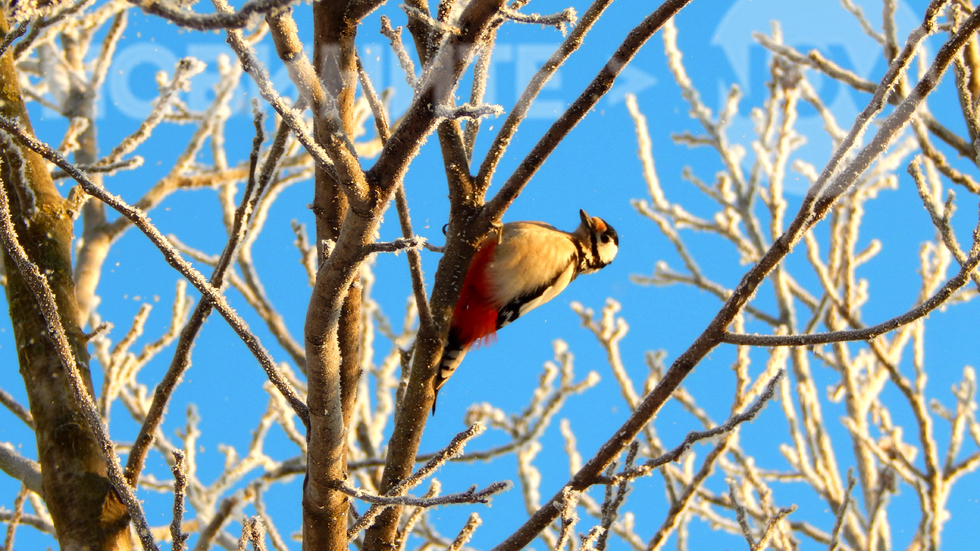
x=355, y=424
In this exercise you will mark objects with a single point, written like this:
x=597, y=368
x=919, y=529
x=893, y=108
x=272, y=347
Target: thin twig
x=173, y=258
x=20, y=468
x=185, y=70
x=401, y=202
x=8, y=540
x=534, y=87
x=398, y=245
x=454, y=449
x=472, y=495
x=18, y=410
x=614, y=500
x=561, y=20
x=221, y=517
x=935, y=301
x=466, y=533
x=841, y=512
x=180, y=483
x=394, y=36
x=695, y=436
x=11, y=36
x=211, y=21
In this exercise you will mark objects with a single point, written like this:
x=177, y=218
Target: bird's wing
x=530, y=268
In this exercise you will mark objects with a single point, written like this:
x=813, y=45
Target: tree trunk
x=86, y=511
x=325, y=510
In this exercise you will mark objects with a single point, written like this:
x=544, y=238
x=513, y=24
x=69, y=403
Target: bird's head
x=600, y=240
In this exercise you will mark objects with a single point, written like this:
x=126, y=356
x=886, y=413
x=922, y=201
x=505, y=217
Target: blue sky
x=596, y=168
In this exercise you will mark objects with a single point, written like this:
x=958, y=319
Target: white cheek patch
x=607, y=252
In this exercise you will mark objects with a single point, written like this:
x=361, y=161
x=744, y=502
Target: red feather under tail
x=474, y=319
x=475, y=316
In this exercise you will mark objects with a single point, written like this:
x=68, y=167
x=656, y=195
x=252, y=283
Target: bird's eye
x=605, y=238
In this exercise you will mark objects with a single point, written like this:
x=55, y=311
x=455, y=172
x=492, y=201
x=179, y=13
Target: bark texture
x=86, y=511
x=332, y=383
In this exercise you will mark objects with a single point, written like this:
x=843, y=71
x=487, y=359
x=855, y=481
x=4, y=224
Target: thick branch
x=73, y=450
x=48, y=305
x=332, y=329
x=333, y=153
x=435, y=90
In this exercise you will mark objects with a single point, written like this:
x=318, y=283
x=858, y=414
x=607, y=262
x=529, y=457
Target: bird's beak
x=586, y=219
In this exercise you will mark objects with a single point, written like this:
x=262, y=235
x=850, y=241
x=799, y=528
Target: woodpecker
x=516, y=269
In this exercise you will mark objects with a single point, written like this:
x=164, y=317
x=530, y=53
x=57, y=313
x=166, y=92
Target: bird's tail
x=452, y=356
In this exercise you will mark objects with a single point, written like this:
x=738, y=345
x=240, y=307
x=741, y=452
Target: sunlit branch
x=8, y=541
x=454, y=449
x=338, y=157
x=940, y=220
x=44, y=27
x=935, y=301
x=472, y=523
x=615, y=496
x=481, y=73
x=34, y=521
x=13, y=35
x=110, y=169
x=590, y=538
x=221, y=517
x=444, y=27
x=401, y=202
x=842, y=510
x=396, y=246
x=394, y=36
x=517, y=114
x=467, y=111
x=181, y=359
x=107, y=49
x=18, y=410
x=561, y=20
x=180, y=484
x=186, y=69
x=20, y=468
x=469, y=496
x=211, y=21
x=940, y=162
x=695, y=436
